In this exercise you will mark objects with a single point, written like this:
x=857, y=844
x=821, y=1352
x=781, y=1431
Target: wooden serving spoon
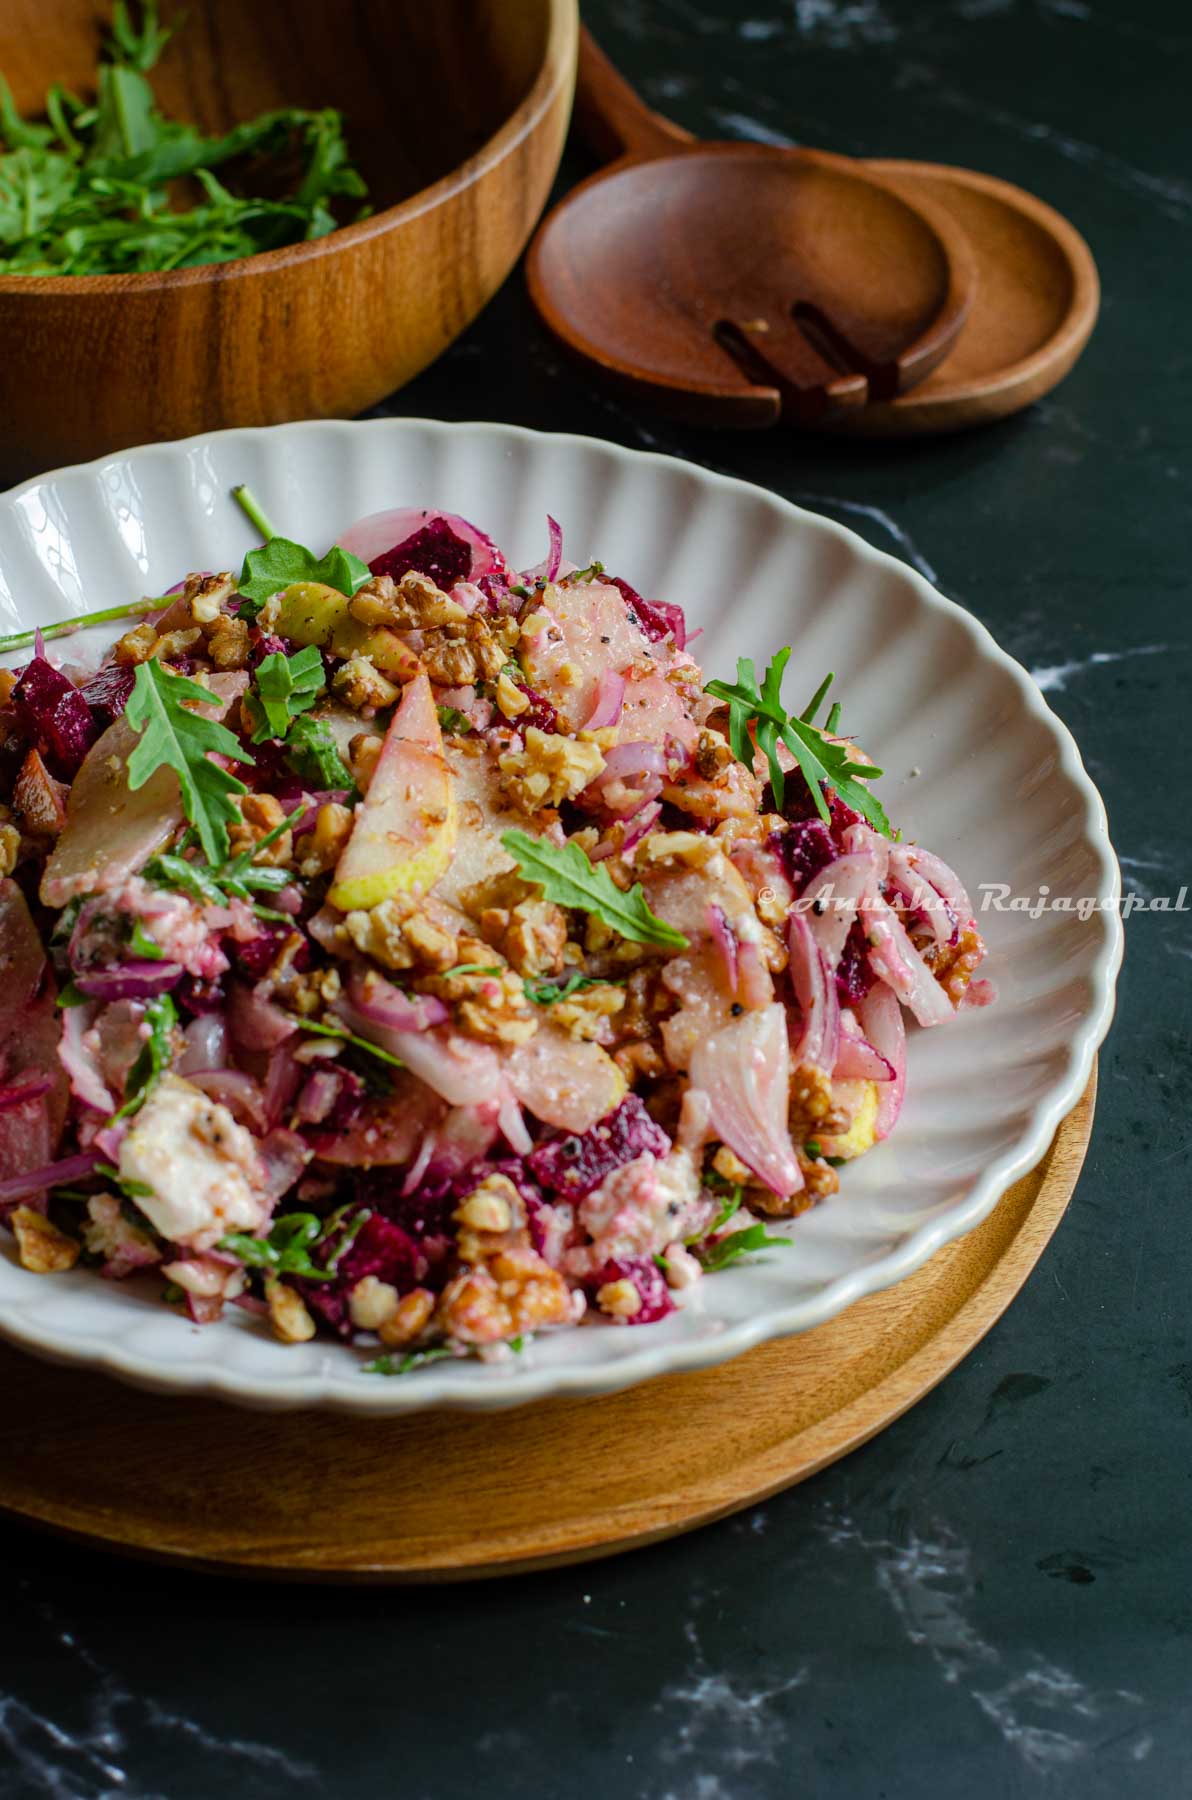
x=736, y=283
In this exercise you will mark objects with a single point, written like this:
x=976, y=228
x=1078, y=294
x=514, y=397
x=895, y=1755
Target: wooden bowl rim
x=557, y=66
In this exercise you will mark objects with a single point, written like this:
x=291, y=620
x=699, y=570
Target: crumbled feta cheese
x=200, y=1165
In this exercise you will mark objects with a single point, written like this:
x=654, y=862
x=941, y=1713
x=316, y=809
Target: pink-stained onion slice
x=237, y=1091
x=254, y=1021
x=381, y=1003
x=882, y=1023
x=35, y=1181
x=922, y=897
x=379, y=532
x=894, y=960
x=206, y=1043
x=86, y=1082
x=744, y=1069
x=283, y=1157
x=726, y=946
x=838, y=889
x=814, y=983
x=129, y=981
x=856, y=1058
x=513, y=1127
x=460, y=1070
x=283, y=1078
x=548, y=568
x=610, y=696
x=944, y=880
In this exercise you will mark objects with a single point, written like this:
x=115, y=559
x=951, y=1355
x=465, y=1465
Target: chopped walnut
x=409, y=1320
x=733, y=794
x=136, y=646
x=812, y=1108
x=364, y=753
x=516, y=1292
x=588, y=1013
x=228, y=644
x=414, y=603
x=321, y=848
x=43, y=1249
x=712, y=754
x=459, y=655
x=207, y=594
x=288, y=1316
x=10, y=848
x=361, y=684
x=678, y=849
x=511, y=700
x=640, y=1061
x=491, y=1221
x=620, y=1299
x=306, y=993
x=371, y=1303
x=173, y=644
x=531, y=933
x=403, y=933
x=496, y=1010
x=954, y=965
x=259, y=815
x=552, y=768
x=8, y=682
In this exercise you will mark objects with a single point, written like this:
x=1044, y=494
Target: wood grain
x=740, y=283
x=451, y=1495
x=459, y=168
x=1037, y=298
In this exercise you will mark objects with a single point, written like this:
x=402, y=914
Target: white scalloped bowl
x=977, y=768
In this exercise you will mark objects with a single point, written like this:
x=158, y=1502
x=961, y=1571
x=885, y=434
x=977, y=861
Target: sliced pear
x=311, y=613
x=405, y=827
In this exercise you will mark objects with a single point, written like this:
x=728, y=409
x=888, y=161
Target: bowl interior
x=422, y=84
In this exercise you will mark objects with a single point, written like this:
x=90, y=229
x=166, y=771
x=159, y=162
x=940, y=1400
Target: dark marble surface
x=993, y=1598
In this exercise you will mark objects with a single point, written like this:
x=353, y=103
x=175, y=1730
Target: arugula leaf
x=280, y=562
x=730, y=1206
x=322, y=1029
x=132, y=1190
x=17, y=133
x=739, y=1243
x=172, y=736
x=138, y=49
x=546, y=993
x=69, y=995
x=156, y=1052
x=569, y=879
x=313, y=754
x=592, y=573
x=287, y=1249
x=285, y=687
x=125, y=123
x=819, y=760
x=452, y=720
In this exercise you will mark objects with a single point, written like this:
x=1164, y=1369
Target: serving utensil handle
x=612, y=120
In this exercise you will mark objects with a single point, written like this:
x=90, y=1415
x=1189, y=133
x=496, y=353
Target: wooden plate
x=1036, y=304
x=450, y=1495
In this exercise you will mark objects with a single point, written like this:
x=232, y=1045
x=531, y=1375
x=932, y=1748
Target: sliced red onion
x=882, y=1023
x=283, y=1156
x=237, y=1091
x=610, y=697
x=642, y=822
x=460, y=1070
x=513, y=1127
x=318, y=1098
x=894, y=959
x=86, y=1082
x=108, y=1141
x=27, y=1087
x=944, y=880
x=856, y=1058
x=726, y=946
x=744, y=1069
x=838, y=889
x=254, y=1021
x=629, y=760
x=755, y=988
x=923, y=898
x=206, y=1043
x=283, y=1078
x=130, y=981
x=814, y=983
x=548, y=568
x=35, y=1181
x=381, y=1003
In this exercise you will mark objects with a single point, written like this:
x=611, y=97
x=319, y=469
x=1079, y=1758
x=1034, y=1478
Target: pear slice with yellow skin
x=404, y=832
x=312, y=613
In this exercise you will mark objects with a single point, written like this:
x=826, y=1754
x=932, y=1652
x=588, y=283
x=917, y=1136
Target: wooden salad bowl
x=455, y=112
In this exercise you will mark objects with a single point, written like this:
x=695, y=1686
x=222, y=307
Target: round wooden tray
x=445, y=1496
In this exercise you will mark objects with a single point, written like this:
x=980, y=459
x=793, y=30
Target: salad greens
x=176, y=737
x=285, y=686
x=568, y=878
x=161, y=1016
x=91, y=191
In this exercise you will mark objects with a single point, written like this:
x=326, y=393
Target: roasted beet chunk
x=540, y=712
x=573, y=1166
x=657, y=618
x=435, y=550
x=854, y=977
x=379, y=1248
x=803, y=851
x=649, y=1281
x=107, y=693
x=54, y=716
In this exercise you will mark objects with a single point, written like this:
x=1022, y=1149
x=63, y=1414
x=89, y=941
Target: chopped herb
x=813, y=1149
x=133, y=1190
x=822, y=762
x=285, y=687
x=520, y=589
x=471, y=969
x=567, y=877
x=516, y=1344
x=413, y=1359
x=731, y=1205
x=452, y=721
x=660, y=1262
x=286, y=1251
x=143, y=946
x=174, y=736
x=69, y=995
x=322, y=1029
x=593, y=570
x=172, y=1294
x=547, y=993
x=154, y=1058
x=740, y=1243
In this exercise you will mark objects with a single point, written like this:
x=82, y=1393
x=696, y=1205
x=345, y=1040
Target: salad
x=405, y=947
